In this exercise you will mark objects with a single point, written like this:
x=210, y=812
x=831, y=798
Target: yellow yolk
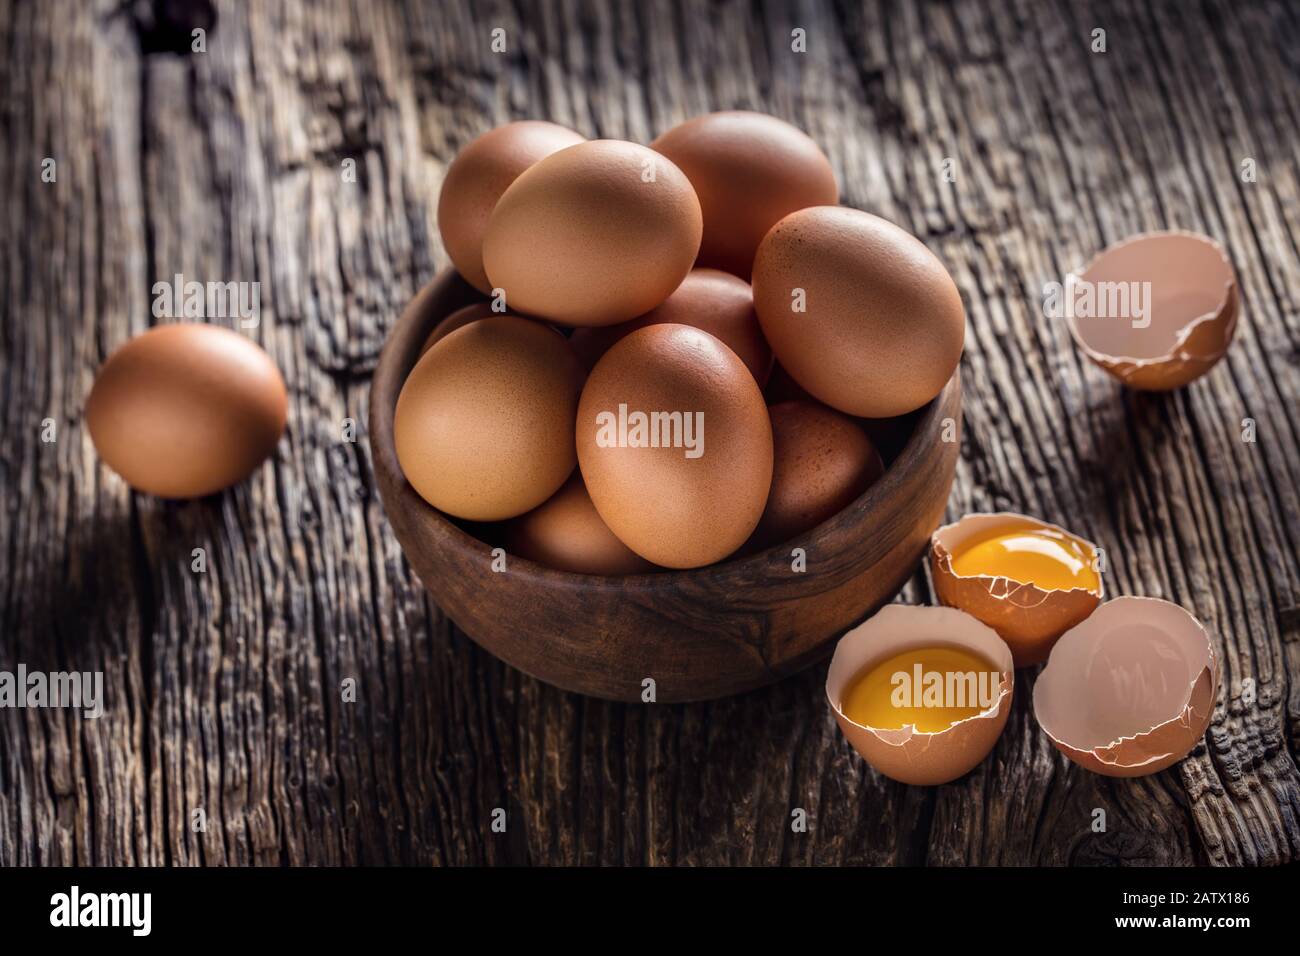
x=1040, y=556
x=901, y=690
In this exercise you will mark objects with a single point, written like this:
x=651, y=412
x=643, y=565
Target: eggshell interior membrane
x=1131, y=690
x=1029, y=618
x=594, y=234
x=905, y=754
x=1192, y=307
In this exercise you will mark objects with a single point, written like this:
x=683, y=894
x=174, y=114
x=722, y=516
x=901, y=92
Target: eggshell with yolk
x=905, y=754
x=1030, y=619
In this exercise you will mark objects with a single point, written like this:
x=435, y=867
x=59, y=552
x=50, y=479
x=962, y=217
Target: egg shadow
x=1130, y=431
x=100, y=583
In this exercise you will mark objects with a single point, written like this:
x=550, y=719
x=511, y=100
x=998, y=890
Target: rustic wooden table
x=223, y=687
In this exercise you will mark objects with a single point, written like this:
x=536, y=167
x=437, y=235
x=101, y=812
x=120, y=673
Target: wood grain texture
x=223, y=688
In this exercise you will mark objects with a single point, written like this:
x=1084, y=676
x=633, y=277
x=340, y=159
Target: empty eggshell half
x=1029, y=618
x=908, y=755
x=1189, y=316
x=1131, y=690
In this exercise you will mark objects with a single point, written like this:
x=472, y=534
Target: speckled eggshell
x=750, y=170
x=823, y=460
x=676, y=511
x=883, y=325
x=185, y=410
x=708, y=299
x=484, y=424
x=476, y=179
x=595, y=234
x=565, y=532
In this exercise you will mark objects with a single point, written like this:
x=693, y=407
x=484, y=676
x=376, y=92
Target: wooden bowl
x=698, y=634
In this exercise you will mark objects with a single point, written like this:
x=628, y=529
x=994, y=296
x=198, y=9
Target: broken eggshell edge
x=1199, y=345
x=907, y=755
x=1028, y=618
x=1160, y=746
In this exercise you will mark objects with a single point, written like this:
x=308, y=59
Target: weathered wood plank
x=224, y=687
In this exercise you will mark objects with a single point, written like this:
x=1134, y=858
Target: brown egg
x=1176, y=336
x=484, y=424
x=907, y=754
x=184, y=410
x=461, y=317
x=708, y=299
x=750, y=171
x=859, y=312
x=822, y=461
x=477, y=177
x=1131, y=690
x=595, y=234
x=1029, y=580
x=566, y=532
x=675, y=445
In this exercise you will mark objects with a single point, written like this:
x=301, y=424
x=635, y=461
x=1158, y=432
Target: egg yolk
x=929, y=688
x=1039, y=556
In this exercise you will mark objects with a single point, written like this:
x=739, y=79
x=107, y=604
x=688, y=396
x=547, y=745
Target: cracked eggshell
x=907, y=755
x=1131, y=690
x=1029, y=618
x=1194, y=307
